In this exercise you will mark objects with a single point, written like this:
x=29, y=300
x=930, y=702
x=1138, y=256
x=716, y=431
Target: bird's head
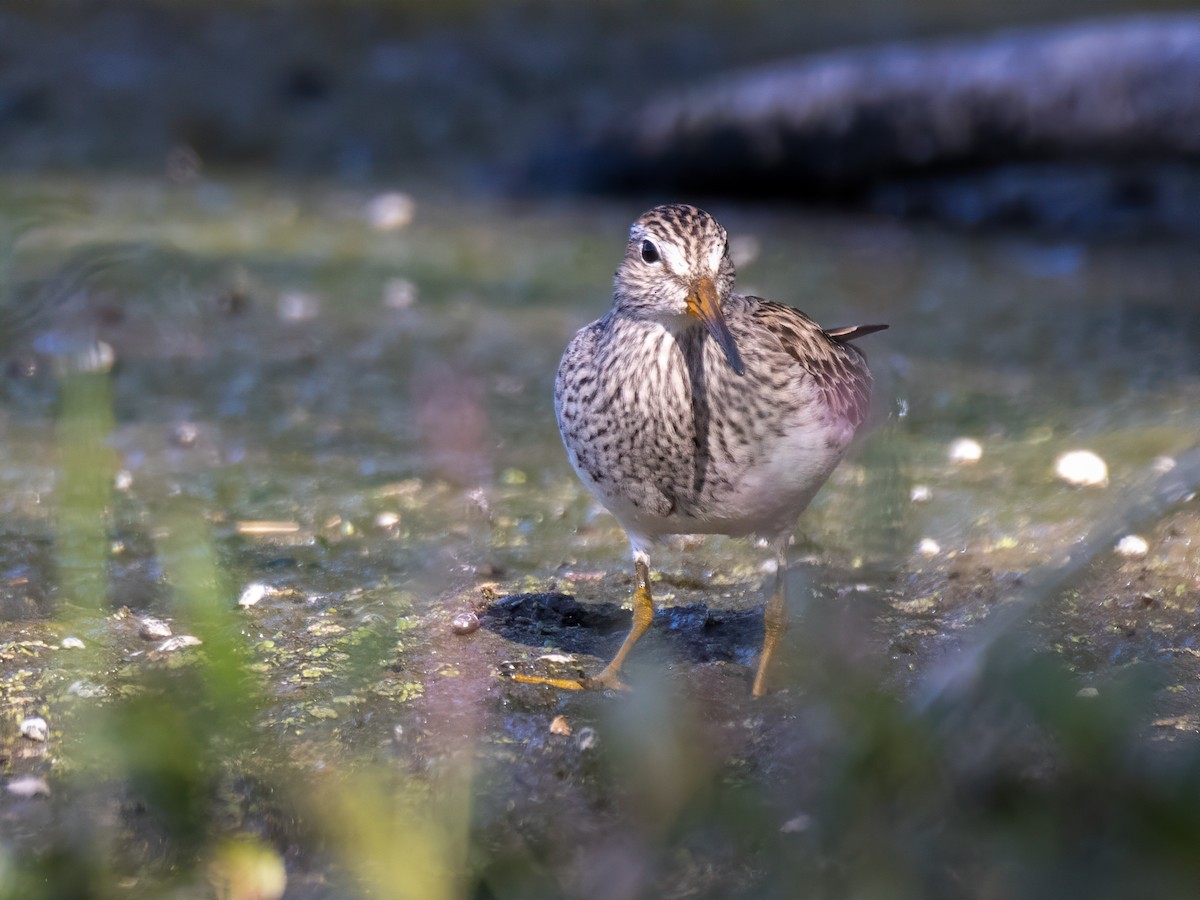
x=677, y=270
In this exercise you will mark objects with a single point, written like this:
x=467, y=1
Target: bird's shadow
x=696, y=632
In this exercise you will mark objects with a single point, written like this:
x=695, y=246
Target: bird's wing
x=838, y=369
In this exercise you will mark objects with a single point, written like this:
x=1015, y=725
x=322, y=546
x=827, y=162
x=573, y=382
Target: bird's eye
x=649, y=252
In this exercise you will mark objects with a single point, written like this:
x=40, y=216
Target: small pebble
x=387, y=520
x=1133, y=545
x=965, y=451
x=87, y=689
x=35, y=728
x=797, y=824
x=399, y=293
x=178, y=643
x=557, y=657
x=929, y=547
x=1163, y=464
x=1088, y=693
x=27, y=787
x=465, y=623
x=920, y=493
x=587, y=739
x=253, y=594
x=390, y=211
x=71, y=643
x=153, y=629
x=297, y=306
x=560, y=725
x=185, y=434
x=478, y=496
x=1082, y=468
x=123, y=480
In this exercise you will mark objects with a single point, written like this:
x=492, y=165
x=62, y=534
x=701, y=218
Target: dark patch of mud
x=694, y=632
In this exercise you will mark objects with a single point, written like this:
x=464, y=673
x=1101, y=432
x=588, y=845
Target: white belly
x=765, y=499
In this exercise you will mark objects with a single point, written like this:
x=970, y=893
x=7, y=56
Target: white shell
x=965, y=451
x=35, y=728
x=253, y=594
x=929, y=547
x=153, y=629
x=1133, y=546
x=1082, y=468
x=390, y=211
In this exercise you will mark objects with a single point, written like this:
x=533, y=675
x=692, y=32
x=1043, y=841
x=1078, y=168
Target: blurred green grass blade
x=205, y=604
x=87, y=465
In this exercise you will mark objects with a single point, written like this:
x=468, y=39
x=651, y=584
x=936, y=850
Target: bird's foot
x=608, y=680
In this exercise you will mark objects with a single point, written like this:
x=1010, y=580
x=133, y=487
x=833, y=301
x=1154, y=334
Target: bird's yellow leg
x=610, y=677
x=643, y=614
x=774, y=625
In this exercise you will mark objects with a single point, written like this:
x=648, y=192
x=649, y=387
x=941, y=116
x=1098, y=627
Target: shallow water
x=381, y=400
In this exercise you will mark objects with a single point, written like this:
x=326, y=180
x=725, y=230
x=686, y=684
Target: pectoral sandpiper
x=692, y=409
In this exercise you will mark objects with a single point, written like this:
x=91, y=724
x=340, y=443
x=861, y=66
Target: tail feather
x=852, y=332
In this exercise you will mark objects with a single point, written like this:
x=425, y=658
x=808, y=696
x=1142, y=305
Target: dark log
x=1123, y=94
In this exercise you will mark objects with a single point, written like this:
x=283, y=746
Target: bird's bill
x=702, y=304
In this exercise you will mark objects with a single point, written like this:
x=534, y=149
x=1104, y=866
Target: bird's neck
x=641, y=317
